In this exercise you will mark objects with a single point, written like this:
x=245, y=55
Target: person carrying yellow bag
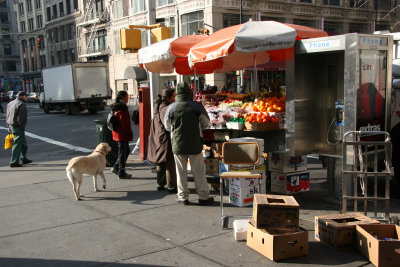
x=9, y=141
x=16, y=119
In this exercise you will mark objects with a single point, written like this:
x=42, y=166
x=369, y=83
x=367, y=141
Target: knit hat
x=183, y=88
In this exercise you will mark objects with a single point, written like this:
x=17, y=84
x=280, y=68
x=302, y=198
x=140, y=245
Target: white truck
x=75, y=87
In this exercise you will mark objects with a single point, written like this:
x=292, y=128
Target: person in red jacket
x=122, y=134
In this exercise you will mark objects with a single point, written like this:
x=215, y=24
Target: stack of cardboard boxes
x=274, y=230
x=379, y=243
x=288, y=173
x=241, y=191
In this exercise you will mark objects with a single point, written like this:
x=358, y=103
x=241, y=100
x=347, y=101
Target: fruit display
x=233, y=111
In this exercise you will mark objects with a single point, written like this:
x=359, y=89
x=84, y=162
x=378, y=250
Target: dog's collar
x=100, y=152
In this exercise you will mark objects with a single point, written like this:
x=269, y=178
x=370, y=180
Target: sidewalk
x=132, y=223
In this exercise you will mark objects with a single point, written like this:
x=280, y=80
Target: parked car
x=3, y=97
x=33, y=97
x=12, y=95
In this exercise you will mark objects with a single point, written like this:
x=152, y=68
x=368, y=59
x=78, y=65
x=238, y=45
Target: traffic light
x=130, y=39
x=204, y=30
x=160, y=33
x=38, y=42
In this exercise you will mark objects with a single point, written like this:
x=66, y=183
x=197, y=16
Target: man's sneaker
x=125, y=176
x=206, y=202
x=183, y=202
x=160, y=187
x=14, y=165
x=115, y=171
x=172, y=190
x=26, y=161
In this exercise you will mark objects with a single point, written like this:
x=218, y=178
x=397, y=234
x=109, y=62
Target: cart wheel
x=225, y=222
x=394, y=220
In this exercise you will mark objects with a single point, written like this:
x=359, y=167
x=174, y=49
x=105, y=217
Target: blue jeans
x=20, y=147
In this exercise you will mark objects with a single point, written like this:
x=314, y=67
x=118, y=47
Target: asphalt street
x=130, y=222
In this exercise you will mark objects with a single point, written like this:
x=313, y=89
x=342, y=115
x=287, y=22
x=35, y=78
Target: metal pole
x=153, y=77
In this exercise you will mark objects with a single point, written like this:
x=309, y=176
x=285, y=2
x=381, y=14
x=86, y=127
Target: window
x=333, y=28
x=68, y=6
x=99, y=42
x=55, y=35
x=59, y=59
x=332, y=2
x=29, y=5
x=163, y=2
x=39, y=22
x=61, y=8
x=3, y=17
x=10, y=66
x=305, y=1
x=359, y=3
x=22, y=26
x=358, y=27
x=138, y=6
x=21, y=9
x=54, y=12
x=307, y=23
x=384, y=5
x=71, y=32
x=172, y=26
x=66, y=56
x=3, y=4
x=72, y=53
x=7, y=49
x=52, y=61
x=192, y=22
x=42, y=59
x=278, y=19
x=99, y=5
x=65, y=33
x=48, y=14
x=117, y=10
x=75, y=4
x=30, y=24
x=5, y=32
x=38, y=4
x=234, y=19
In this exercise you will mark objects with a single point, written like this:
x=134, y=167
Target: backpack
x=135, y=117
x=112, y=121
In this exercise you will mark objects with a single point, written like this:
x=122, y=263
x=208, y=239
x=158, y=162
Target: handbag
x=9, y=141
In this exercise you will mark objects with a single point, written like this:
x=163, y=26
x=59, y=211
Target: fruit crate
x=253, y=126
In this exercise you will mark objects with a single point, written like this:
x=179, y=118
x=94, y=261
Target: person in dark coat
x=160, y=149
x=122, y=134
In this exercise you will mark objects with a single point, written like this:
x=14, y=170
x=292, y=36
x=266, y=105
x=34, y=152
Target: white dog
x=93, y=165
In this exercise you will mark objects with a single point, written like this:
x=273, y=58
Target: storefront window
x=333, y=28
x=234, y=19
x=302, y=22
x=358, y=27
x=138, y=6
x=192, y=22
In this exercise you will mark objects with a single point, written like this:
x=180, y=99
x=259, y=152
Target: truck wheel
x=46, y=109
x=92, y=110
x=68, y=110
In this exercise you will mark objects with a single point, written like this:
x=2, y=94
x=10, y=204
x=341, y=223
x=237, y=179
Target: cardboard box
x=276, y=212
x=241, y=193
x=287, y=183
x=254, y=126
x=277, y=245
x=212, y=166
x=283, y=163
x=240, y=229
x=338, y=231
x=379, y=243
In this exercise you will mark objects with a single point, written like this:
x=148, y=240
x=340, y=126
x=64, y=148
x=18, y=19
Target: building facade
x=10, y=67
x=55, y=32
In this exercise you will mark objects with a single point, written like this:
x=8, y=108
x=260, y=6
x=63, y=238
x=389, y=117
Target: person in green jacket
x=186, y=119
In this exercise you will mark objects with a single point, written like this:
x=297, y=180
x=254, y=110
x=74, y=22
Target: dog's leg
x=95, y=183
x=72, y=179
x=104, y=180
x=78, y=190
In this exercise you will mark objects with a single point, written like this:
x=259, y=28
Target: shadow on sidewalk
x=60, y=263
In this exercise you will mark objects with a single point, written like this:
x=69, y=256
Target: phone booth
x=144, y=118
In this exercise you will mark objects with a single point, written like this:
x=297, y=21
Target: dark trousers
x=122, y=157
x=166, y=173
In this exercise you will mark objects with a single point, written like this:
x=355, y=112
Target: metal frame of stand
x=360, y=161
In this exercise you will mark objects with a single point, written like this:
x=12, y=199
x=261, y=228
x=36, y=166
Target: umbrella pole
x=255, y=76
x=195, y=83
